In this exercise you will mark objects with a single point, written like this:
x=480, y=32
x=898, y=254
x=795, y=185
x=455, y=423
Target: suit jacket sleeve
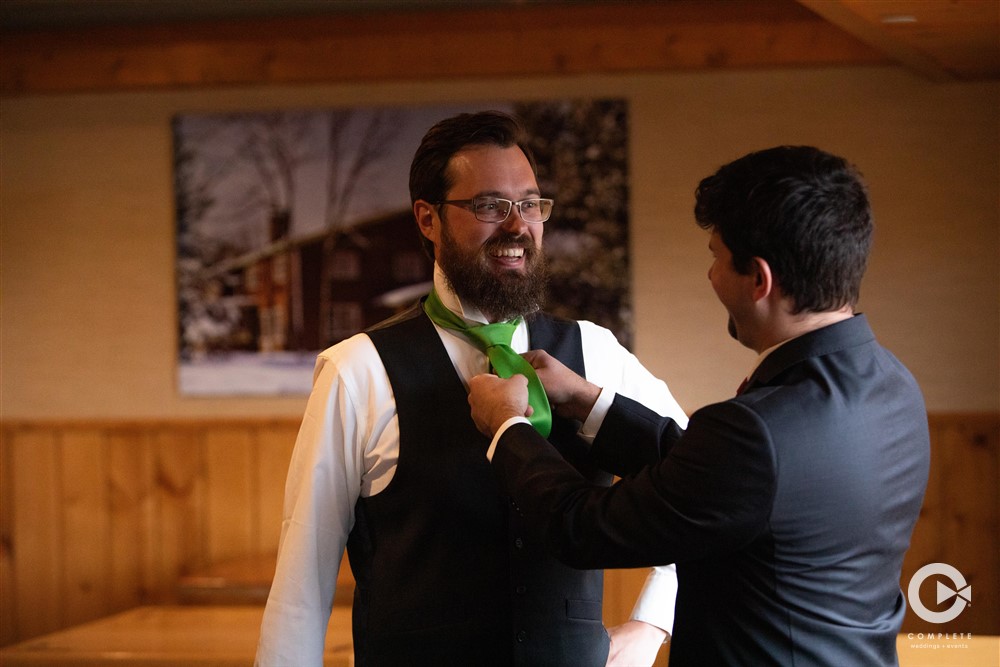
x=650, y=436
x=710, y=493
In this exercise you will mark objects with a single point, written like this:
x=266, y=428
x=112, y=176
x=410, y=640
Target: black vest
x=445, y=571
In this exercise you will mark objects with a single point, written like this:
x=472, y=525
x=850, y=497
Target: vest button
x=522, y=635
x=521, y=590
x=519, y=543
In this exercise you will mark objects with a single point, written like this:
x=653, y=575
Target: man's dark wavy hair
x=804, y=211
x=429, y=177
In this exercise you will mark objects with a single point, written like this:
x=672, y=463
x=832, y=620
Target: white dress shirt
x=348, y=446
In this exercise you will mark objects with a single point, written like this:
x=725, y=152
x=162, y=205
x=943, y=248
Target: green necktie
x=494, y=340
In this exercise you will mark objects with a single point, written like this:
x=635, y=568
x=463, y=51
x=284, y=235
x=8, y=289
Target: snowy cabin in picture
x=308, y=293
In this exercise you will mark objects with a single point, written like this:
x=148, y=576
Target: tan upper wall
x=87, y=308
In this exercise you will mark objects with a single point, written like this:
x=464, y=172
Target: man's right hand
x=570, y=395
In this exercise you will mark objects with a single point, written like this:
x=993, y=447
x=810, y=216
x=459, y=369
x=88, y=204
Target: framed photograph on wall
x=295, y=230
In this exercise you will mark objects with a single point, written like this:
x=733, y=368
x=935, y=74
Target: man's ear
x=763, y=280
x=427, y=220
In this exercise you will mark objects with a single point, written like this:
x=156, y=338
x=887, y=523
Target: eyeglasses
x=495, y=210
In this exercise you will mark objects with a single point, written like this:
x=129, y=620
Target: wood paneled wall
x=97, y=517
x=960, y=520
x=100, y=517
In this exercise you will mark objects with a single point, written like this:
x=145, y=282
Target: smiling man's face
x=497, y=267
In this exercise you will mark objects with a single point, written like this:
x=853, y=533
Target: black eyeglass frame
x=469, y=205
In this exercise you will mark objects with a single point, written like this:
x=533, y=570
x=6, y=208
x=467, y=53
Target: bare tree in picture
x=347, y=164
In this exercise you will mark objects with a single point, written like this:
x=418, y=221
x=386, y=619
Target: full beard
x=500, y=295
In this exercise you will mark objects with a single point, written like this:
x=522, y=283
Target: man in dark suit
x=788, y=508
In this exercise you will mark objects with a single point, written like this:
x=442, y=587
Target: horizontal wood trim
x=536, y=40
x=979, y=420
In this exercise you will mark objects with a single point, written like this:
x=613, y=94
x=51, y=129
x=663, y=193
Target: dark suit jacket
x=787, y=509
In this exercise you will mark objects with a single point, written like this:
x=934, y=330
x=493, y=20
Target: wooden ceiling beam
x=841, y=15
x=523, y=40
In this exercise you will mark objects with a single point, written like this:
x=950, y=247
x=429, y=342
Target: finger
x=537, y=358
x=483, y=380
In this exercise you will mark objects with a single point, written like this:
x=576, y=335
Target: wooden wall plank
x=37, y=532
x=523, y=41
x=8, y=615
x=971, y=454
x=274, y=453
x=230, y=454
x=130, y=479
x=86, y=525
x=179, y=540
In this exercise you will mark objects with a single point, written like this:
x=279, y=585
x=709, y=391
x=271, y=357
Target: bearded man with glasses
x=390, y=465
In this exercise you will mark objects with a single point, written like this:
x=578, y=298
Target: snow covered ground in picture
x=276, y=374
x=294, y=230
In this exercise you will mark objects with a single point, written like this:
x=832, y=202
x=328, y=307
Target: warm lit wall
x=86, y=271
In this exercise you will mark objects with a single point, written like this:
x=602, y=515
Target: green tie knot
x=490, y=335
x=494, y=339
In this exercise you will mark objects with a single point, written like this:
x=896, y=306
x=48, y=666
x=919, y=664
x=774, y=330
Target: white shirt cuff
x=588, y=431
x=500, y=431
x=597, y=414
x=655, y=604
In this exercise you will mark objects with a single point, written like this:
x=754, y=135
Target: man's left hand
x=634, y=644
